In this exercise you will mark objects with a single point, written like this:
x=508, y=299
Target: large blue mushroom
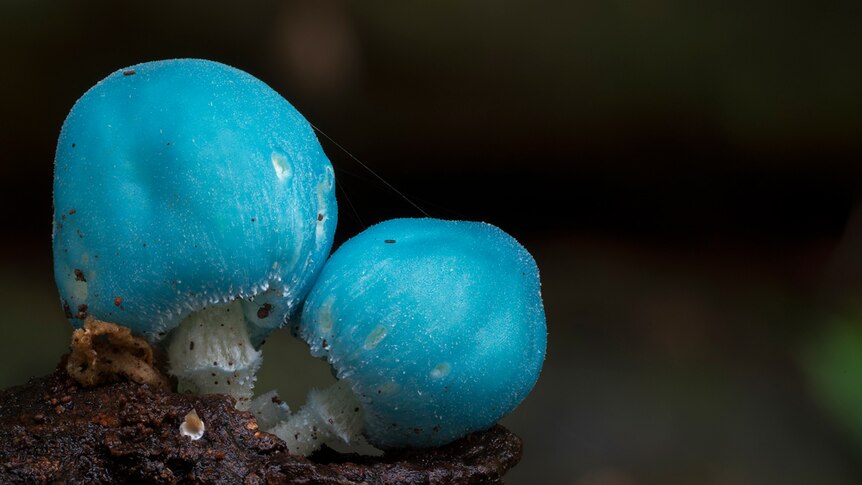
x=434, y=329
x=194, y=205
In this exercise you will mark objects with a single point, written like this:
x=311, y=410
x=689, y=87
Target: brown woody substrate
x=54, y=430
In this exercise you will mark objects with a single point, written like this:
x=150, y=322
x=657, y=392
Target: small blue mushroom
x=434, y=329
x=189, y=194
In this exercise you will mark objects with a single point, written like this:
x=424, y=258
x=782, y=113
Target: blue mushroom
x=434, y=329
x=194, y=205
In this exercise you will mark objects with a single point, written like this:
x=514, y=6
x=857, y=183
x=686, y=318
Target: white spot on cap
x=281, y=166
x=324, y=316
x=375, y=337
x=441, y=370
x=388, y=389
x=324, y=188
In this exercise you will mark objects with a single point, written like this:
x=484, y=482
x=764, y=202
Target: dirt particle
x=319, y=217
x=129, y=72
x=191, y=344
x=118, y=301
x=79, y=276
x=106, y=420
x=82, y=312
x=389, y=241
x=72, y=211
x=263, y=311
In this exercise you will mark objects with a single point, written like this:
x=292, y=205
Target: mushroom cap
x=437, y=325
x=185, y=183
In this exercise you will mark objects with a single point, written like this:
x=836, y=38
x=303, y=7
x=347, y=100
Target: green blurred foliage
x=33, y=329
x=832, y=361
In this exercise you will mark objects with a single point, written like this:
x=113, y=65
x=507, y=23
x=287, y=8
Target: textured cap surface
x=438, y=325
x=185, y=183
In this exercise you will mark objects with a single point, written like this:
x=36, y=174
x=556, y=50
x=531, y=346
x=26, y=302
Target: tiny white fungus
x=192, y=426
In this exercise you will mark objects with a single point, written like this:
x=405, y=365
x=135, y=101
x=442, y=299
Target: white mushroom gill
x=332, y=413
x=210, y=352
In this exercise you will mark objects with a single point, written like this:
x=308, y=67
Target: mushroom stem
x=327, y=414
x=210, y=353
x=269, y=410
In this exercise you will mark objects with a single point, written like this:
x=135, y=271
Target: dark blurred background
x=687, y=176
